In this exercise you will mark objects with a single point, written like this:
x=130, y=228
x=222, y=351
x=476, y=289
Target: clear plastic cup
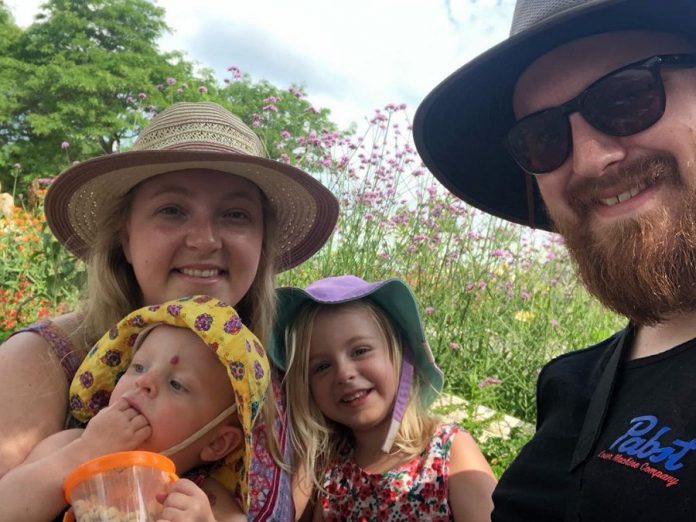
x=120, y=487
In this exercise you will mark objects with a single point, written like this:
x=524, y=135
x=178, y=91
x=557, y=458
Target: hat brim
x=306, y=211
x=460, y=126
x=394, y=297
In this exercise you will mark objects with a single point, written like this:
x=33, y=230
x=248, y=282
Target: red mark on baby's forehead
x=174, y=360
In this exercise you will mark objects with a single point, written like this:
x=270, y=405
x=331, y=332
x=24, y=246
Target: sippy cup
x=120, y=487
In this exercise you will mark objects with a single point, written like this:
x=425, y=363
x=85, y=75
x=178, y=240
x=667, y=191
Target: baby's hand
x=186, y=502
x=118, y=427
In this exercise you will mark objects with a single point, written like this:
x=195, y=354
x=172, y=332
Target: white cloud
x=352, y=57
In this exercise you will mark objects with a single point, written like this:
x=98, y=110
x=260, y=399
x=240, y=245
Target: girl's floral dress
x=413, y=491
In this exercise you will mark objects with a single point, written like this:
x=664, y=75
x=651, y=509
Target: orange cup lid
x=111, y=461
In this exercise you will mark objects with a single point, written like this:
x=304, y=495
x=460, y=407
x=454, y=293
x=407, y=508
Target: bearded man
x=584, y=122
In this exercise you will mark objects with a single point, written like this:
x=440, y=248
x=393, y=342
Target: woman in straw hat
x=193, y=208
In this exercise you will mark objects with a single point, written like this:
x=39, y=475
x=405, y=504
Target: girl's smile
x=357, y=398
x=352, y=377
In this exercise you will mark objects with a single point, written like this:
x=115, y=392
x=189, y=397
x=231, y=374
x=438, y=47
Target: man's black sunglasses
x=624, y=102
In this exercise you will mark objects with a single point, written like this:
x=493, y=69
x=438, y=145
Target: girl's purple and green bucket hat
x=391, y=295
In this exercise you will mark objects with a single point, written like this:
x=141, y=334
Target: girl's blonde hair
x=317, y=440
x=113, y=291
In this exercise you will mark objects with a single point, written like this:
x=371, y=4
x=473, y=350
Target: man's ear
x=224, y=439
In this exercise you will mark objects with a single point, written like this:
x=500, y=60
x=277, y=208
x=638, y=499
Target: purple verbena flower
x=488, y=381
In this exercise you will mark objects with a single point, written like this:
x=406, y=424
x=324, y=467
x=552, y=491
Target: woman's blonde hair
x=318, y=441
x=113, y=291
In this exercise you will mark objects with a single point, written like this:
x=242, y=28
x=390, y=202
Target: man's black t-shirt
x=642, y=465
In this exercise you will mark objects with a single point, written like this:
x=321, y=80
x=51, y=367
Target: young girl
x=360, y=376
x=186, y=379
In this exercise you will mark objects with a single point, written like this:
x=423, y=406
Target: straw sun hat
x=184, y=136
x=459, y=127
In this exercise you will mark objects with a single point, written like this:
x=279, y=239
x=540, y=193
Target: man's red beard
x=642, y=267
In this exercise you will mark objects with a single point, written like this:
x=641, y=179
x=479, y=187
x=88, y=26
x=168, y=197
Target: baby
x=165, y=371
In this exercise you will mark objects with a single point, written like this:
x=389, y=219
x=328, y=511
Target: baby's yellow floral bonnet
x=220, y=328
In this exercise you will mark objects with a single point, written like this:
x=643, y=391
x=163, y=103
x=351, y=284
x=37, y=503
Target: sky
x=351, y=57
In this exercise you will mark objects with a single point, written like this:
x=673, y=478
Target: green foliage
x=73, y=73
x=275, y=113
x=40, y=278
x=500, y=451
x=9, y=32
x=86, y=76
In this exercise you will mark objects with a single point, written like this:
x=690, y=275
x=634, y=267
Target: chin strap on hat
x=198, y=434
x=402, y=397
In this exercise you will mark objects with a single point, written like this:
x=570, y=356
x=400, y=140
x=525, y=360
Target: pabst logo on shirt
x=645, y=444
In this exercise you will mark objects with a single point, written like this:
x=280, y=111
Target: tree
x=9, y=32
x=79, y=68
x=276, y=114
x=87, y=75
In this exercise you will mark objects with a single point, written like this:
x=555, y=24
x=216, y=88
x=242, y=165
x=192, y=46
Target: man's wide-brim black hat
x=460, y=126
